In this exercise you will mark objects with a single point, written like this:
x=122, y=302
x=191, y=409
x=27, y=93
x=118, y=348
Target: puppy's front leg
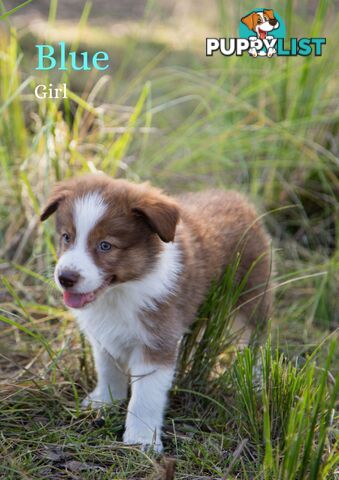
x=271, y=52
x=150, y=384
x=112, y=381
x=253, y=52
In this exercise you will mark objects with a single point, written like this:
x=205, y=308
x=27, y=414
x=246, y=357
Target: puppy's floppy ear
x=58, y=194
x=269, y=13
x=249, y=20
x=161, y=214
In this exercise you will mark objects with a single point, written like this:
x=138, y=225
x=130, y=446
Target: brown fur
x=251, y=20
x=210, y=228
x=269, y=13
x=214, y=227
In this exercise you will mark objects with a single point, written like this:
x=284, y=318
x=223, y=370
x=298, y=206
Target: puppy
x=261, y=23
x=134, y=266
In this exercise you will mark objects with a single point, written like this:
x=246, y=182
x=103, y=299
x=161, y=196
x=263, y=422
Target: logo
x=262, y=33
x=266, y=26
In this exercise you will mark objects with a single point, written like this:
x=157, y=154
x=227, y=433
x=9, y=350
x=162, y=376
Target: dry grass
x=269, y=130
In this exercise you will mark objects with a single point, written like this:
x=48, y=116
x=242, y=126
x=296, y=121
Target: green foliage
x=288, y=415
x=267, y=128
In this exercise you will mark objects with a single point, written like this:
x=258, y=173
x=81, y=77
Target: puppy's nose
x=68, y=279
x=273, y=21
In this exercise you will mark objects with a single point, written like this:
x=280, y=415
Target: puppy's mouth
x=262, y=34
x=80, y=300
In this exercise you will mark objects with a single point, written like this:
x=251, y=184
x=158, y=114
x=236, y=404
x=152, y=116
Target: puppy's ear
x=249, y=20
x=160, y=213
x=58, y=194
x=269, y=13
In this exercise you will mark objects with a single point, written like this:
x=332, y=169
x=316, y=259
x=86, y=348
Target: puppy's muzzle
x=68, y=278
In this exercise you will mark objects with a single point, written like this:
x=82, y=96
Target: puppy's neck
x=158, y=284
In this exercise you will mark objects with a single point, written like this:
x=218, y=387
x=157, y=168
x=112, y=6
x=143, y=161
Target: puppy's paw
x=96, y=399
x=104, y=395
x=144, y=438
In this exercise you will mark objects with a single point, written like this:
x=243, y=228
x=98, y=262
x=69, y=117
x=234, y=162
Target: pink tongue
x=262, y=34
x=77, y=300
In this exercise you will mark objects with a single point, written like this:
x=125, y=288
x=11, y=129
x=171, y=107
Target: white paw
x=94, y=402
x=143, y=437
x=100, y=397
x=103, y=394
x=253, y=52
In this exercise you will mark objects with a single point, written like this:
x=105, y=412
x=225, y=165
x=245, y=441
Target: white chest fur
x=113, y=319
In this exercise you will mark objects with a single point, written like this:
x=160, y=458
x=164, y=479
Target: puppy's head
x=261, y=22
x=110, y=231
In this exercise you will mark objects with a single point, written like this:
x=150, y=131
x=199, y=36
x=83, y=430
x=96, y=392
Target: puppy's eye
x=66, y=238
x=259, y=20
x=104, y=246
x=266, y=18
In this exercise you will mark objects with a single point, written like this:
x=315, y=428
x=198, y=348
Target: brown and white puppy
x=261, y=22
x=134, y=266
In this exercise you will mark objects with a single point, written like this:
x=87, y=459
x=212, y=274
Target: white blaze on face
x=87, y=212
x=265, y=26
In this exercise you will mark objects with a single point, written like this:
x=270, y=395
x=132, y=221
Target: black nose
x=273, y=21
x=68, y=279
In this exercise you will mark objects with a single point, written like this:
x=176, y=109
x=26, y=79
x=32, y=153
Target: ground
x=166, y=113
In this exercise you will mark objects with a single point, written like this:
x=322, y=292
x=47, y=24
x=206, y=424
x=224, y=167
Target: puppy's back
x=218, y=226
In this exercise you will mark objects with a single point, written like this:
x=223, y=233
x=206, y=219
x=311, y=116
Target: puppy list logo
x=262, y=34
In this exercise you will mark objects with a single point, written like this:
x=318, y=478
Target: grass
x=185, y=122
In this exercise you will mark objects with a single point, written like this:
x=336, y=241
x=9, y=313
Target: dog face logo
x=263, y=23
x=262, y=33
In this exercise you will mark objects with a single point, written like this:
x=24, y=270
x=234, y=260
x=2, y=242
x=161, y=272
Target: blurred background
x=166, y=113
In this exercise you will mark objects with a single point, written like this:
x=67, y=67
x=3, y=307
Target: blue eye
x=66, y=237
x=105, y=246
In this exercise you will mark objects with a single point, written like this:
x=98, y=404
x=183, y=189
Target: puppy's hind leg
x=242, y=330
x=254, y=309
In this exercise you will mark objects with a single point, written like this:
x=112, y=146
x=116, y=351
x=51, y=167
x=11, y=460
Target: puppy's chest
x=115, y=324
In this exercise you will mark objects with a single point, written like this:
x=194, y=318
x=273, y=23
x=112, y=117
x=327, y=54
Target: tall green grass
x=266, y=128
x=295, y=408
